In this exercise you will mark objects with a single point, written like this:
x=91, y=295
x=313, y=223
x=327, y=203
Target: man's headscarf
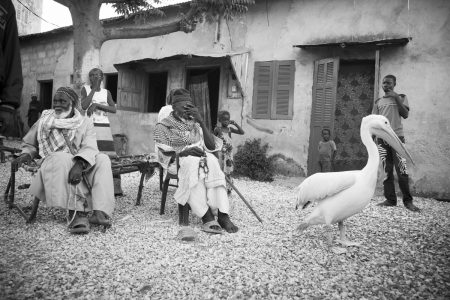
x=51, y=130
x=69, y=92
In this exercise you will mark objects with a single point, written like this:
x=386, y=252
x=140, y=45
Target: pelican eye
x=385, y=122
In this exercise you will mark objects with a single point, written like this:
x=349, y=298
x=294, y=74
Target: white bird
x=343, y=194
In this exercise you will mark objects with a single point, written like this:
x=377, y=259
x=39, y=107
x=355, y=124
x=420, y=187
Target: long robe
x=200, y=190
x=51, y=185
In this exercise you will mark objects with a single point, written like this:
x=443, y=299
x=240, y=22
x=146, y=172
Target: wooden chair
x=183, y=210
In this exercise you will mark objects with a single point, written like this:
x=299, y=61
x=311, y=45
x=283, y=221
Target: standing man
x=394, y=107
x=11, y=80
x=34, y=110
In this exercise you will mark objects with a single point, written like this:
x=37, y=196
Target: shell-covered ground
x=404, y=255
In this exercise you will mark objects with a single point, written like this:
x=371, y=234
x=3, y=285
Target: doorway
x=111, y=84
x=157, y=88
x=45, y=93
x=204, y=83
x=343, y=92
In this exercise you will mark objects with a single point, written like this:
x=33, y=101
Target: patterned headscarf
x=179, y=95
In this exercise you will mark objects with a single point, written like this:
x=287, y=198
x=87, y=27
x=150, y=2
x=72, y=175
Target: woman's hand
x=191, y=112
x=91, y=109
x=96, y=83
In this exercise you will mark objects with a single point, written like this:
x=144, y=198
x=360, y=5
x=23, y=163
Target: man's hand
x=193, y=151
x=76, y=173
x=24, y=158
x=232, y=122
x=91, y=109
x=392, y=94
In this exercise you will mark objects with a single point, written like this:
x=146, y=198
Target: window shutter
x=130, y=89
x=323, y=106
x=262, y=90
x=283, y=90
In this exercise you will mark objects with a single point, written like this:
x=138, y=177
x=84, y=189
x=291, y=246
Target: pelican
x=341, y=195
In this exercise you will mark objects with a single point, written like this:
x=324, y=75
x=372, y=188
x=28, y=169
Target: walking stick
x=243, y=199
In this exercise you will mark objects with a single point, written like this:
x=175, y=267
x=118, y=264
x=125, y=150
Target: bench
x=145, y=164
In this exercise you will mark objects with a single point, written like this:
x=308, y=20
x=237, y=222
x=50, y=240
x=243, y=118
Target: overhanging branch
x=146, y=32
x=114, y=1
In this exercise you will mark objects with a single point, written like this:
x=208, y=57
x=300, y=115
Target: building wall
x=27, y=22
x=421, y=68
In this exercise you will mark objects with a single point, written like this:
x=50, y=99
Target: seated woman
x=201, y=182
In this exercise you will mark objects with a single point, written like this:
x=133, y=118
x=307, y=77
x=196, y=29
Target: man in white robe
x=61, y=179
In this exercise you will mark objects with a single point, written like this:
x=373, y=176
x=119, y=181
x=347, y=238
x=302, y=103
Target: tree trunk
x=88, y=37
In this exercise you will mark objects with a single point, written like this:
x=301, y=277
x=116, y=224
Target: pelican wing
x=323, y=185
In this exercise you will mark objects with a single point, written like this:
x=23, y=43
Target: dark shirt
x=11, y=80
x=34, y=109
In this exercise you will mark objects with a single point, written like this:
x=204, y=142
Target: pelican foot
x=302, y=227
x=348, y=243
x=338, y=250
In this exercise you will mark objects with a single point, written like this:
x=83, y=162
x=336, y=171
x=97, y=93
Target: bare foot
x=225, y=222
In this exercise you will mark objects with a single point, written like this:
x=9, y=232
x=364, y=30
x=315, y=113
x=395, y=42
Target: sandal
x=186, y=234
x=80, y=225
x=208, y=227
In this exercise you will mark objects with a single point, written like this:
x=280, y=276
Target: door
x=323, y=106
x=354, y=100
x=131, y=90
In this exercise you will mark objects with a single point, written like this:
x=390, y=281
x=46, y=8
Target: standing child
x=327, y=151
x=224, y=132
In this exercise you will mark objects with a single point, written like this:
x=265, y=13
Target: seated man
x=65, y=140
x=201, y=182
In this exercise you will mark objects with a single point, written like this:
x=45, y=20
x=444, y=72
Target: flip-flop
x=79, y=225
x=186, y=234
x=207, y=227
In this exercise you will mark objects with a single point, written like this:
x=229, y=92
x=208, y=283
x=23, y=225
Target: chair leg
x=161, y=179
x=141, y=186
x=183, y=214
x=164, y=195
x=34, y=209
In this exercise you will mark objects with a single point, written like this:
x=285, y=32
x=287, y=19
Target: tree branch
x=114, y=1
x=133, y=33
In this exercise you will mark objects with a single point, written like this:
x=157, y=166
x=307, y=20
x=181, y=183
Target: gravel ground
x=404, y=255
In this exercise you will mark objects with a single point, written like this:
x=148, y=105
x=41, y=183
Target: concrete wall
x=421, y=68
x=45, y=59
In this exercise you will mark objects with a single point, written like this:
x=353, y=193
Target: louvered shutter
x=130, y=88
x=262, y=90
x=283, y=90
x=323, y=106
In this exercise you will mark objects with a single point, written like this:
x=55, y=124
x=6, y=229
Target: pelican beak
x=388, y=135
